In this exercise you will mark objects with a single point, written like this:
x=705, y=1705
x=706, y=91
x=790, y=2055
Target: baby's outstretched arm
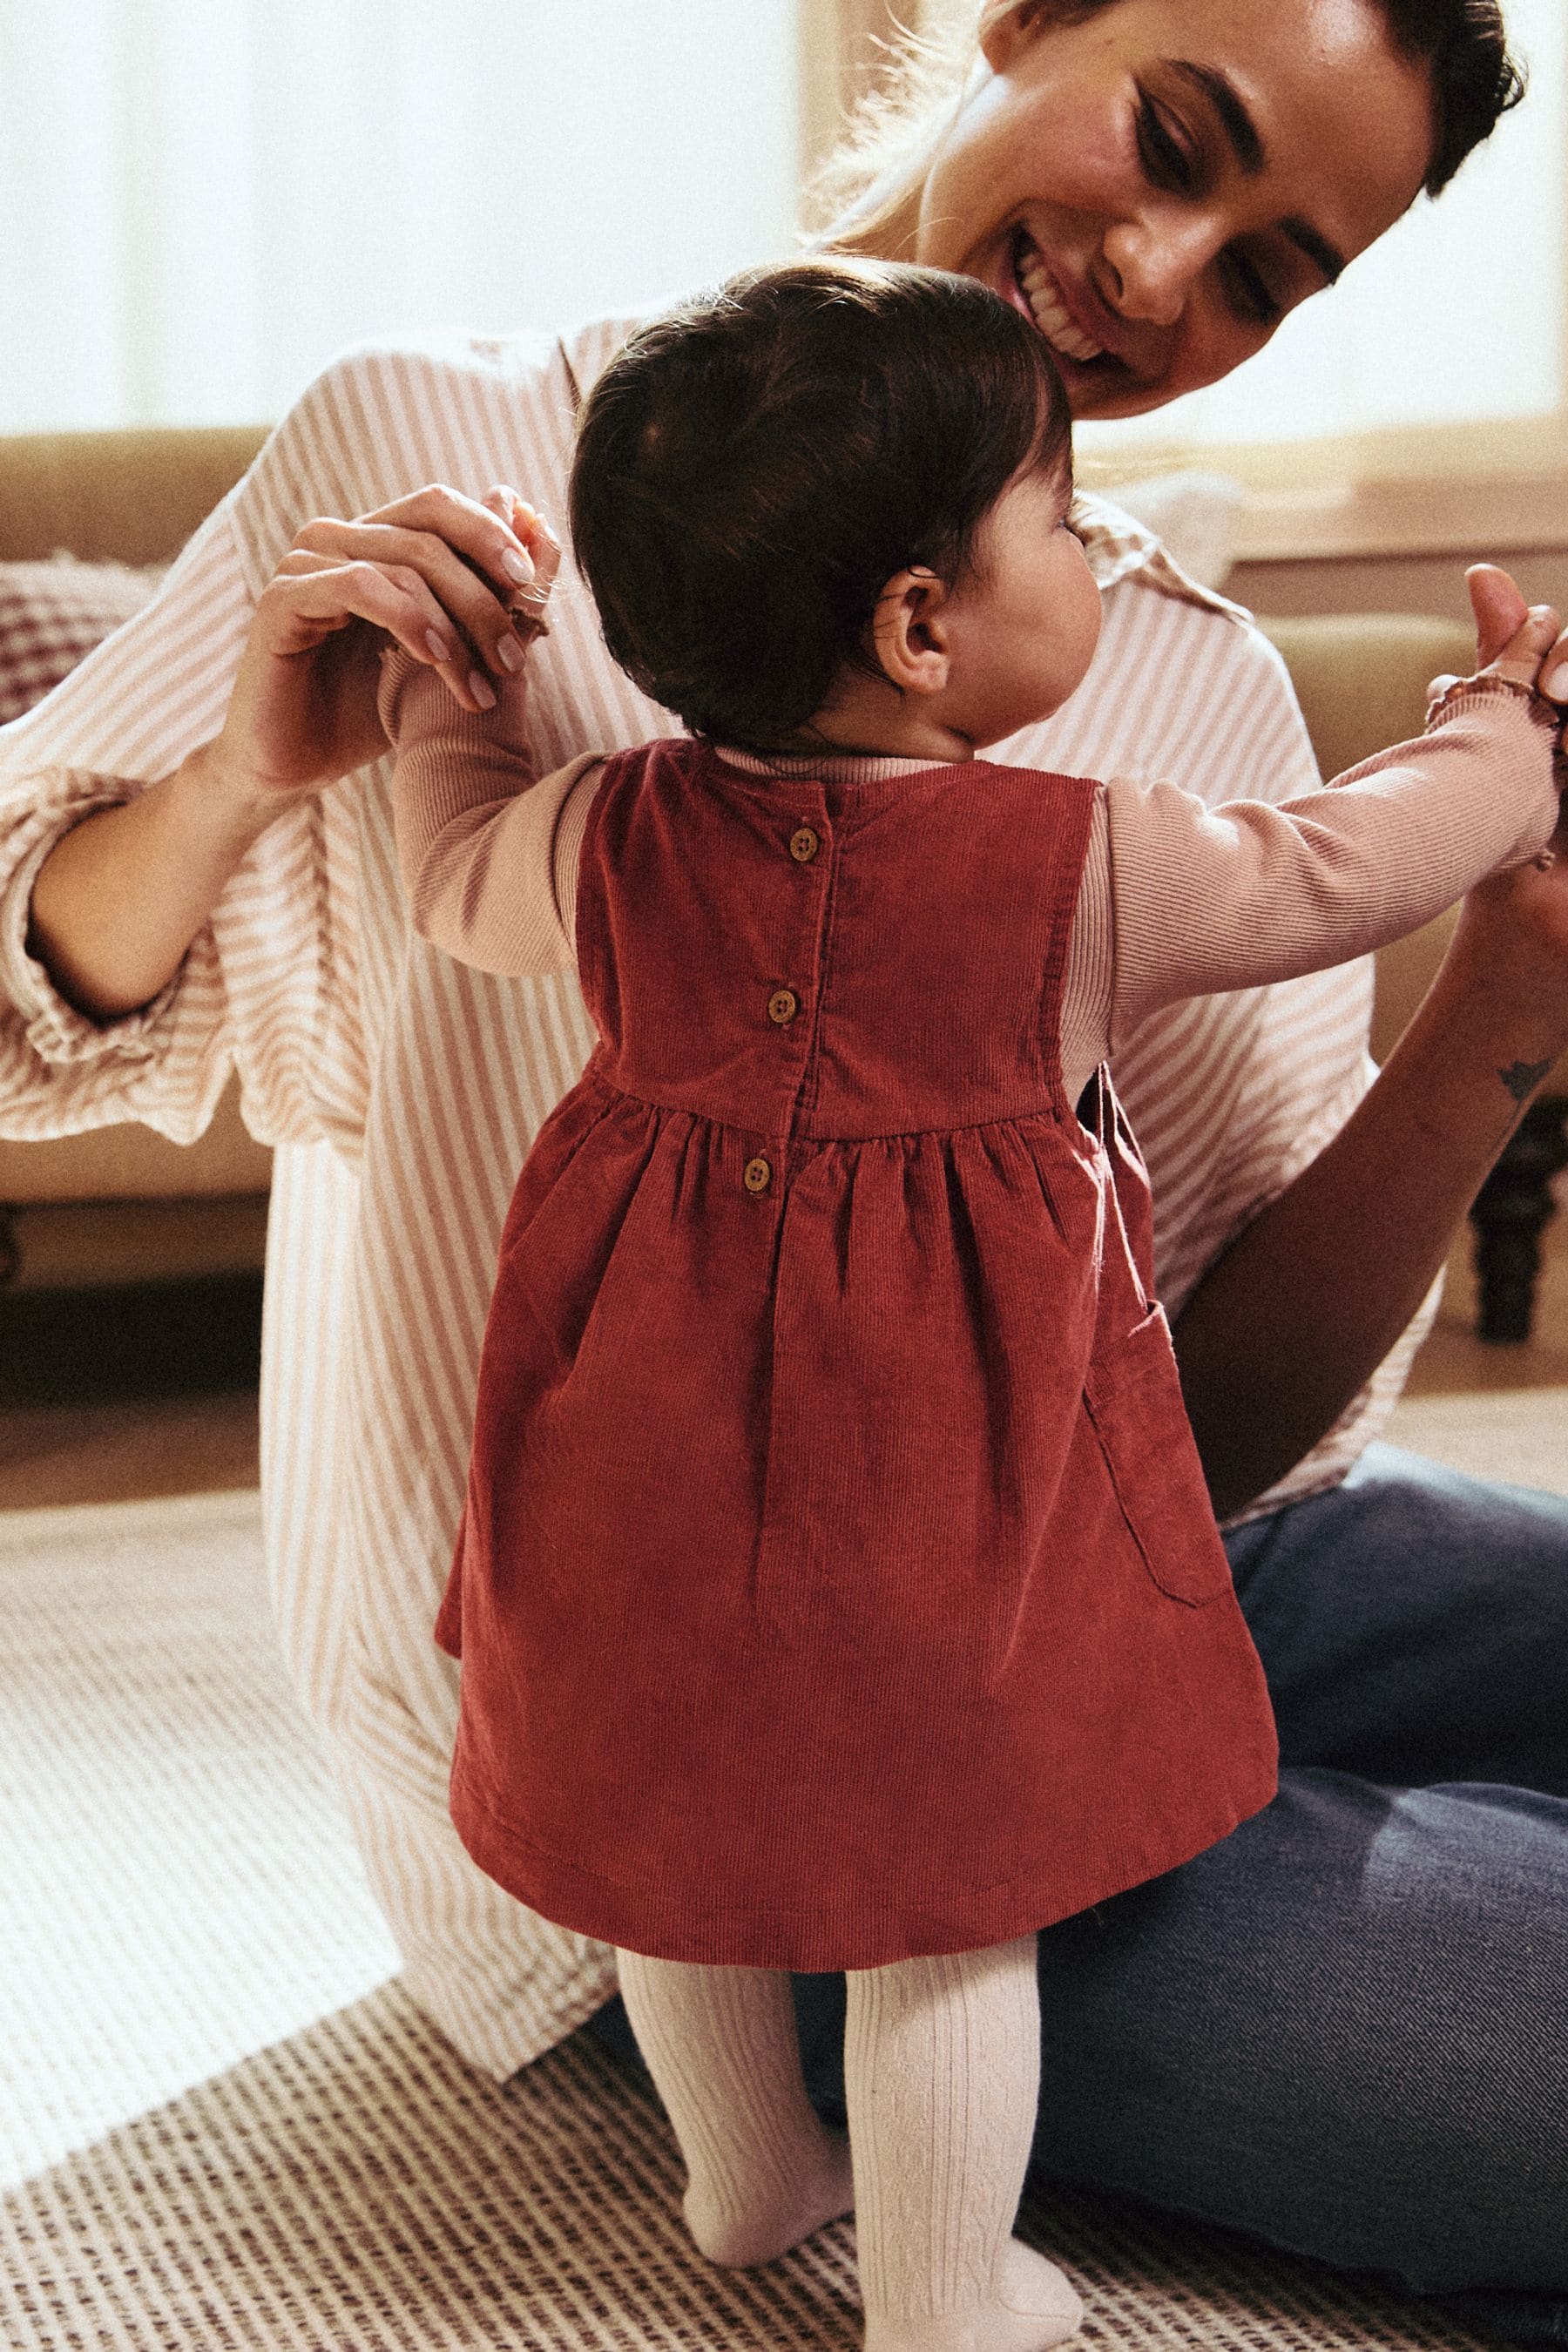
x=1235, y=897
x=489, y=855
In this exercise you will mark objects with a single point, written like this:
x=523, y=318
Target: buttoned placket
x=803, y=845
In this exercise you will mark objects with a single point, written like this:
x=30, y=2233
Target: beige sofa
x=136, y=496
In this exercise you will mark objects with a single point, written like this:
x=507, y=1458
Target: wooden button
x=803, y=844
x=757, y=1175
x=782, y=1007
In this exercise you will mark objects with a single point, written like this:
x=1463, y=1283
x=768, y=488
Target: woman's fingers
x=1499, y=609
x=1524, y=658
x=1508, y=630
x=433, y=571
x=451, y=579
x=476, y=530
x=309, y=597
x=467, y=602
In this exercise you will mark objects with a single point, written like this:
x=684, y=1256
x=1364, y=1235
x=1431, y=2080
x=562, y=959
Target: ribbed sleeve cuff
x=1462, y=695
x=1496, y=701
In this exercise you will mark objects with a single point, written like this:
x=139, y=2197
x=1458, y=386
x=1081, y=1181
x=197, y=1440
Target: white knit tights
x=941, y=2063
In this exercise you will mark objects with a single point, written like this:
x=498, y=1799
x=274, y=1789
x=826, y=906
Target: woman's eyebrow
x=1228, y=104
x=1247, y=146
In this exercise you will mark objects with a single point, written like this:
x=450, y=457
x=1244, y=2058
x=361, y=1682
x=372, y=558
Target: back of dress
x=804, y=1618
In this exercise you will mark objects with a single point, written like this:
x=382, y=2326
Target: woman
x=1267, y=2037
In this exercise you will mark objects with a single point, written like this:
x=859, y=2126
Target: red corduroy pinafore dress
x=836, y=1581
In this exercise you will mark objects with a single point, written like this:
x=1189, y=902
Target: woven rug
x=222, y=2124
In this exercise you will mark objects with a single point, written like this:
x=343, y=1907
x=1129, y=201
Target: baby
x=838, y=1586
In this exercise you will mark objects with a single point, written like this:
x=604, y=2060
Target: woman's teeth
x=1040, y=291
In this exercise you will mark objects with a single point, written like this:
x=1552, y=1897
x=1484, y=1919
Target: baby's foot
x=1034, y=2307
x=774, y=2218
x=1032, y=2290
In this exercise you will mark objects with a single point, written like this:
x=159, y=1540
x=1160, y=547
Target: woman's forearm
x=1294, y=1319
x=119, y=898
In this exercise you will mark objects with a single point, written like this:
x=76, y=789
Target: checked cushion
x=54, y=612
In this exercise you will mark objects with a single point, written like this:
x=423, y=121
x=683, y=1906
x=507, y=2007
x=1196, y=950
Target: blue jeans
x=1345, y=2028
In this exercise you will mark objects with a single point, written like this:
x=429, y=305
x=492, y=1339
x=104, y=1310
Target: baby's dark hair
x=753, y=469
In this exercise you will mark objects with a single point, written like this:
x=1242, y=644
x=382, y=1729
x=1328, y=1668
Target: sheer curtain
x=206, y=199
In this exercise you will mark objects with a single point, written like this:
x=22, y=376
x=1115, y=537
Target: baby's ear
x=908, y=631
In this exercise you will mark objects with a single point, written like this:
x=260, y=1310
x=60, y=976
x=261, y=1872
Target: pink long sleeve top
x=1177, y=899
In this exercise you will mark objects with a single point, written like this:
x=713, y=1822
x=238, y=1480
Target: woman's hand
x=462, y=583
x=1510, y=949
x=1507, y=629
x=1525, y=643
x=436, y=572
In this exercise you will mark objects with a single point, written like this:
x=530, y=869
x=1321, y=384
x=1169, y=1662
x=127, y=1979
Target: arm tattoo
x=1521, y=1077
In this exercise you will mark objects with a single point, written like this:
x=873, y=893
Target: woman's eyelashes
x=1173, y=160
x=1169, y=157
x=1249, y=291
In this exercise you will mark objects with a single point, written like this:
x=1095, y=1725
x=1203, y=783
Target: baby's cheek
x=1089, y=615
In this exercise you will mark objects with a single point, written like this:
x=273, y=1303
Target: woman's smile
x=1099, y=354
x=1045, y=300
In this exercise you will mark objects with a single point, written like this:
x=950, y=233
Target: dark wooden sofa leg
x=1509, y=1212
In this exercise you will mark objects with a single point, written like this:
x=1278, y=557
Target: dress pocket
x=1134, y=1398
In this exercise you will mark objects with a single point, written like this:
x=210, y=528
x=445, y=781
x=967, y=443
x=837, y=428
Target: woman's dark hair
x=751, y=470
x=1463, y=44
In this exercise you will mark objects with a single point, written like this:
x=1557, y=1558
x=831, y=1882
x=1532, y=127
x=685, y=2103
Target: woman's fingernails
x=1556, y=685
x=509, y=655
x=518, y=565
x=443, y=651
x=482, y=689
